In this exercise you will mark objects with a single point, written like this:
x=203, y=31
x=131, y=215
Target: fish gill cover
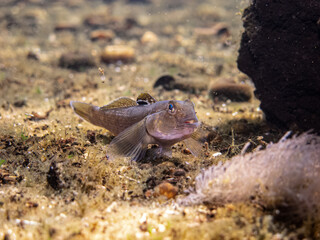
x=285, y=176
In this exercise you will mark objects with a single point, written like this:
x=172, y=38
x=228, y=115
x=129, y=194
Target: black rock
x=280, y=51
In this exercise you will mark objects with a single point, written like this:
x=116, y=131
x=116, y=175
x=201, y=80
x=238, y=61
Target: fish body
x=137, y=124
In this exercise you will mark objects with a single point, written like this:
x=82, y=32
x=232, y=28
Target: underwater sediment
x=55, y=179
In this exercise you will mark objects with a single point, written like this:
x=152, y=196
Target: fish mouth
x=192, y=122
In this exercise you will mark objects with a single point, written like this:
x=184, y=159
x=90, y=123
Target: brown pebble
x=98, y=20
x=149, y=37
x=91, y=135
x=149, y=193
x=233, y=91
x=179, y=172
x=20, y=103
x=65, y=27
x=31, y=204
x=166, y=164
x=186, y=151
x=102, y=35
x=145, y=166
x=219, y=29
x=167, y=189
x=76, y=60
x=32, y=55
x=10, y=178
x=183, y=82
x=113, y=53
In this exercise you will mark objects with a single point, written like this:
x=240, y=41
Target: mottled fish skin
x=136, y=126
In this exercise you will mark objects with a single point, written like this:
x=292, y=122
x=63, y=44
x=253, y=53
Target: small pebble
x=166, y=81
x=65, y=27
x=166, y=164
x=97, y=21
x=233, y=91
x=138, y=1
x=20, y=103
x=145, y=166
x=102, y=35
x=76, y=61
x=186, y=83
x=149, y=193
x=30, y=204
x=186, y=151
x=32, y=55
x=113, y=53
x=219, y=29
x=91, y=136
x=179, y=172
x=167, y=189
x=149, y=37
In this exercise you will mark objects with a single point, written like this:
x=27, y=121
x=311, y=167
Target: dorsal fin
x=119, y=103
x=145, y=99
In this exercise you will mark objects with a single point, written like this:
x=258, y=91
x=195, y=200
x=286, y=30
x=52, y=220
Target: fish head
x=175, y=121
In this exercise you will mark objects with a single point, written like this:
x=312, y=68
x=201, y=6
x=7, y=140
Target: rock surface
x=280, y=51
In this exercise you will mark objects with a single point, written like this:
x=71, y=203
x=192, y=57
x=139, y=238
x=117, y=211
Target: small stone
x=30, y=204
x=91, y=135
x=166, y=189
x=32, y=55
x=151, y=182
x=166, y=164
x=76, y=61
x=179, y=172
x=97, y=21
x=185, y=83
x=233, y=91
x=145, y=166
x=219, y=29
x=113, y=53
x=149, y=37
x=166, y=81
x=20, y=103
x=144, y=226
x=186, y=151
x=65, y=27
x=149, y=193
x=106, y=35
x=139, y=1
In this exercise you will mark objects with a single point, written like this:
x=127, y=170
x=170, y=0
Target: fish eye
x=171, y=108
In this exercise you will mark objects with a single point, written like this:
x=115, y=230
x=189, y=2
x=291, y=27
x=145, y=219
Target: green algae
x=2, y=161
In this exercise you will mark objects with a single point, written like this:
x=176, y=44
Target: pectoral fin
x=196, y=142
x=195, y=147
x=131, y=143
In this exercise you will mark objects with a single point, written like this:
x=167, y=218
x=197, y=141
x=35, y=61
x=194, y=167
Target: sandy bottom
x=55, y=180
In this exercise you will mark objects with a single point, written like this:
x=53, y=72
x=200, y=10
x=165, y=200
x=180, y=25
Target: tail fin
x=84, y=110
